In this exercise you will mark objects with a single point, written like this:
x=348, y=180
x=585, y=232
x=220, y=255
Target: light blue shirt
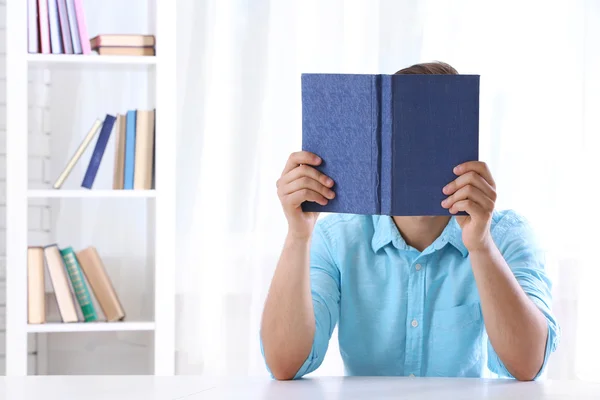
x=404, y=312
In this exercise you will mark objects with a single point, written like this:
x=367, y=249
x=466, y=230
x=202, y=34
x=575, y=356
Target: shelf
x=90, y=327
x=81, y=193
x=93, y=60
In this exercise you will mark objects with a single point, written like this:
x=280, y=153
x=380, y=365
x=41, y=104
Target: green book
x=82, y=292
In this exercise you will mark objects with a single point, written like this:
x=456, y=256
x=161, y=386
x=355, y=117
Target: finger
x=300, y=157
x=308, y=171
x=306, y=183
x=471, y=208
x=470, y=178
x=469, y=193
x=478, y=166
x=296, y=198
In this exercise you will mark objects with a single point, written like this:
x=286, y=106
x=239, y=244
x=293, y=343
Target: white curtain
x=239, y=83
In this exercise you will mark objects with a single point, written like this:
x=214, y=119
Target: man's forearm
x=516, y=327
x=288, y=322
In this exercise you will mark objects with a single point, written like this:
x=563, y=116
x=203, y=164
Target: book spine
x=144, y=146
x=82, y=293
x=130, y=149
x=36, y=296
x=82, y=26
x=78, y=153
x=64, y=25
x=386, y=165
x=92, y=170
x=55, y=36
x=32, y=27
x=153, y=185
x=44, y=26
x=376, y=141
x=119, y=167
x=73, y=26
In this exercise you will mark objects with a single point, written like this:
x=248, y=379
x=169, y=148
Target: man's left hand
x=474, y=191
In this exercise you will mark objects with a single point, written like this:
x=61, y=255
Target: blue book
x=129, y=149
x=389, y=142
x=92, y=169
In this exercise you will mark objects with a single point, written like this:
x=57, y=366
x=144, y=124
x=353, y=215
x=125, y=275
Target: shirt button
x=414, y=323
x=418, y=267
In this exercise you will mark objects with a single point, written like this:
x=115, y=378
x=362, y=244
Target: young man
x=413, y=296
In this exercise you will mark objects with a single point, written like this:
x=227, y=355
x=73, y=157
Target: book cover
x=80, y=288
x=64, y=26
x=103, y=289
x=56, y=45
x=60, y=283
x=32, y=27
x=78, y=153
x=389, y=142
x=82, y=27
x=72, y=291
x=72, y=16
x=92, y=169
x=130, y=149
x=44, y=26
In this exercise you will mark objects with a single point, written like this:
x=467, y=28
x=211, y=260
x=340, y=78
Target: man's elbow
x=282, y=370
x=283, y=374
x=525, y=376
x=526, y=371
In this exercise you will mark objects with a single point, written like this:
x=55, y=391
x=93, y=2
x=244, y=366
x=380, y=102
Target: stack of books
x=57, y=27
x=83, y=290
x=134, y=166
x=124, y=45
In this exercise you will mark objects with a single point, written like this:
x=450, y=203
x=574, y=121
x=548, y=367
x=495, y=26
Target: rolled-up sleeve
x=325, y=291
x=527, y=262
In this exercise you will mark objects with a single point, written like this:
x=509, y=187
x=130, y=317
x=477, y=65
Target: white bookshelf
x=19, y=64
x=65, y=194
x=77, y=61
x=91, y=327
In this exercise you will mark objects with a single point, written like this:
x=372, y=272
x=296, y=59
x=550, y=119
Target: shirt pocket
x=455, y=341
x=456, y=318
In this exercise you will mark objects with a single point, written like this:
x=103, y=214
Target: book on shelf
x=59, y=27
x=389, y=142
x=134, y=164
x=81, y=285
x=124, y=45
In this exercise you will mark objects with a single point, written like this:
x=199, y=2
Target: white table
x=196, y=388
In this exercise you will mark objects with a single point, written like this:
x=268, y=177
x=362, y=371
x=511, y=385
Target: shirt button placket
x=414, y=335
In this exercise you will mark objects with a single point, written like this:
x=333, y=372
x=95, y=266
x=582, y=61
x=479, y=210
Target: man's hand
x=474, y=191
x=299, y=182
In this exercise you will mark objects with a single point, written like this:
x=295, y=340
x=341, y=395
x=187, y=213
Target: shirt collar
x=386, y=232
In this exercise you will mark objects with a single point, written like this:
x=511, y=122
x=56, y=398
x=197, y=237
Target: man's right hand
x=300, y=182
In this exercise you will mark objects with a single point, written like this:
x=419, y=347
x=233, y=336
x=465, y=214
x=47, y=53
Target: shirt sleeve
x=325, y=291
x=526, y=260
